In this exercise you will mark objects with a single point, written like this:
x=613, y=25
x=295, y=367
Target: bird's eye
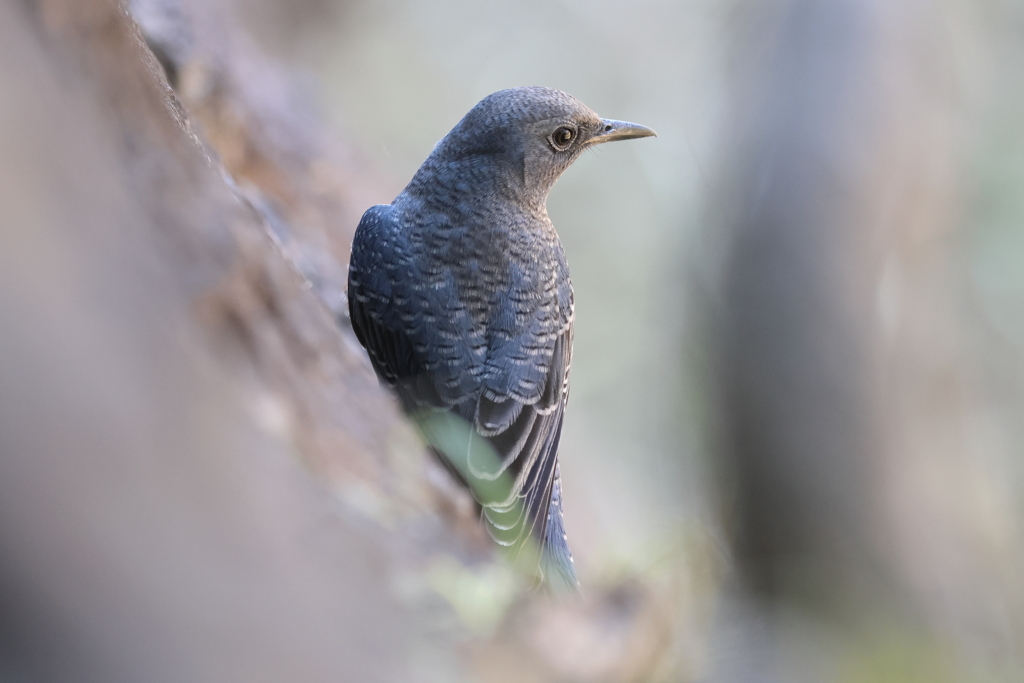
x=562, y=138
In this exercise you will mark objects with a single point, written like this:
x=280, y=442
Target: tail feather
x=556, y=558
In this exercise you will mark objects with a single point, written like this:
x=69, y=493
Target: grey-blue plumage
x=460, y=292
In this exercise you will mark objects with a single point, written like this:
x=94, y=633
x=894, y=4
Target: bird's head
x=527, y=137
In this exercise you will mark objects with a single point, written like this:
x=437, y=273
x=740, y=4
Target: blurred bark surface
x=163, y=366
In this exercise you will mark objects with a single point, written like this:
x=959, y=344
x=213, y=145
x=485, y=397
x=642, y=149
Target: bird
x=459, y=290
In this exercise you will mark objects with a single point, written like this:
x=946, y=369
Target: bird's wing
x=425, y=354
x=525, y=437
x=371, y=291
x=525, y=433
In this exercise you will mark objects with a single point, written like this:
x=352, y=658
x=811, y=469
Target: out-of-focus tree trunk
x=845, y=389
x=153, y=522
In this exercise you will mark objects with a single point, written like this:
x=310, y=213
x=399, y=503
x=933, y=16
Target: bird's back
x=469, y=309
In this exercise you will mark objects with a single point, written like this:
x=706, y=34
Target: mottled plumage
x=460, y=292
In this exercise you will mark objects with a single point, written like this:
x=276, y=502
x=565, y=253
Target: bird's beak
x=620, y=130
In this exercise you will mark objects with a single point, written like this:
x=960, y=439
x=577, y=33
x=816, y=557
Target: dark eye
x=563, y=137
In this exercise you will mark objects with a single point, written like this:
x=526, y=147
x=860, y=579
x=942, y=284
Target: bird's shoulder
x=379, y=254
x=407, y=309
x=377, y=238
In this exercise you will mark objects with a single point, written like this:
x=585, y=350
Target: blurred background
x=793, y=450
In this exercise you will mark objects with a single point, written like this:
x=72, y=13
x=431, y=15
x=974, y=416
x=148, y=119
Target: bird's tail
x=532, y=533
x=556, y=558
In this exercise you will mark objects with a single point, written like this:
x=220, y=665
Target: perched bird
x=460, y=292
